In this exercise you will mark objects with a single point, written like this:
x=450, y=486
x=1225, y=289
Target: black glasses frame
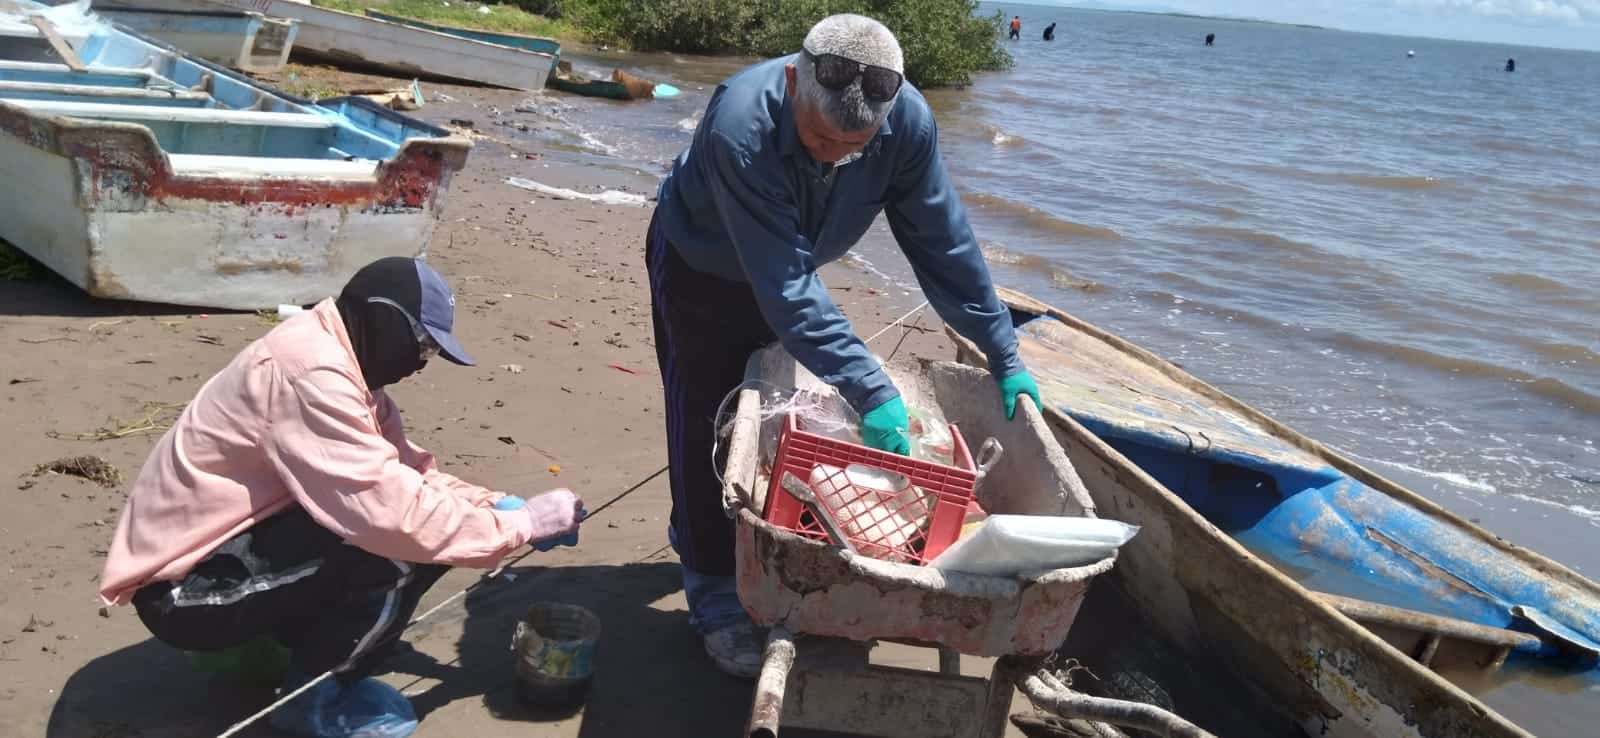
x=872, y=77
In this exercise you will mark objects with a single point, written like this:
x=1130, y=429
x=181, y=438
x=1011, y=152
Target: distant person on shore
x=285, y=526
x=791, y=164
x=1211, y=38
x=1050, y=32
x=1016, y=27
x=1511, y=65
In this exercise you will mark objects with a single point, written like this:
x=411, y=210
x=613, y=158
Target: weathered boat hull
x=108, y=210
x=400, y=50
x=155, y=176
x=514, y=40
x=1213, y=598
x=246, y=41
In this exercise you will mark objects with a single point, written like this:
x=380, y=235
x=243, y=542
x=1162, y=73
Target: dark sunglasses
x=836, y=73
x=426, y=346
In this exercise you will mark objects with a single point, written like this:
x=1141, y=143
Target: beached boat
x=1220, y=490
x=246, y=41
x=151, y=175
x=514, y=40
x=396, y=49
x=621, y=86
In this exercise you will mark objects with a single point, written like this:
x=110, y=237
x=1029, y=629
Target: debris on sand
x=92, y=468
x=34, y=624
x=157, y=418
x=607, y=197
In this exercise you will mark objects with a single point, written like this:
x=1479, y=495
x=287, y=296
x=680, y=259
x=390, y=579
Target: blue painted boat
x=157, y=176
x=246, y=41
x=1243, y=518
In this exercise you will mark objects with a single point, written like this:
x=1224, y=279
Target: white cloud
x=1565, y=11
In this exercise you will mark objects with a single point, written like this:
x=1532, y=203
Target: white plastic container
x=1006, y=545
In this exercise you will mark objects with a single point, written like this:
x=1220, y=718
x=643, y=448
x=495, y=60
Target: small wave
x=1583, y=512
x=1221, y=211
x=1389, y=181
x=1508, y=145
x=1259, y=238
x=1059, y=276
x=1459, y=480
x=1037, y=218
x=1547, y=387
x=1568, y=352
x=1532, y=284
x=1397, y=182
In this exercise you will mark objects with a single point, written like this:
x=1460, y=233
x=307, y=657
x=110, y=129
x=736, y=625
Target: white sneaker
x=738, y=649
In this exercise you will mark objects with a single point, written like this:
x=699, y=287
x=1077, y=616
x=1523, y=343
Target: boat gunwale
x=1541, y=563
x=427, y=25
x=319, y=8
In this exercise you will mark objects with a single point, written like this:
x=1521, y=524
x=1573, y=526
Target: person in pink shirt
x=287, y=506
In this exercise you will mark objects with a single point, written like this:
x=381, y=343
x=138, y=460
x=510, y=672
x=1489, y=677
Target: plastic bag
x=1007, y=545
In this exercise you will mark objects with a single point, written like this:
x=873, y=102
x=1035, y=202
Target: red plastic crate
x=911, y=523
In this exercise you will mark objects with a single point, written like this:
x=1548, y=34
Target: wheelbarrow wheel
x=1127, y=677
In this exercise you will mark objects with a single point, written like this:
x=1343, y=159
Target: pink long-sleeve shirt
x=291, y=422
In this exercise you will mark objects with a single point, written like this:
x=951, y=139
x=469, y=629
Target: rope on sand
x=485, y=579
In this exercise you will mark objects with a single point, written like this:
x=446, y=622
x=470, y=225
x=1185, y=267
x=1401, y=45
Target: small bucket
x=554, y=647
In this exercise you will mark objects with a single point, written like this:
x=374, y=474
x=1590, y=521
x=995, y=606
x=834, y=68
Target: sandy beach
x=553, y=302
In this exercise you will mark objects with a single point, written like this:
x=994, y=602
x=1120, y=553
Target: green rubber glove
x=884, y=427
x=1017, y=384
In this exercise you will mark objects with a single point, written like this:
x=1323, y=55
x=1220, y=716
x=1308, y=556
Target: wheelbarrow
x=826, y=603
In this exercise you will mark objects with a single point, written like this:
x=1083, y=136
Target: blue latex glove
x=513, y=502
x=884, y=427
x=1015, y=385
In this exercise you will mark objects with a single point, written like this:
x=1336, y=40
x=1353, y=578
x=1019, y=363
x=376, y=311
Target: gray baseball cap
x=437, y=313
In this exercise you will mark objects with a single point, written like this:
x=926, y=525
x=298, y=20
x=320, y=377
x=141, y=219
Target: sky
x=1559, y=23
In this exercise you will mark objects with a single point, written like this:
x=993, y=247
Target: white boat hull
x=401, y=50
x=246, y=41
x=104, y=207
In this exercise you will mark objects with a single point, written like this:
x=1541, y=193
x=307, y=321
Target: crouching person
x=286, y=513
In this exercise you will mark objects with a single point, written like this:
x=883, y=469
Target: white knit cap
x=857, y=38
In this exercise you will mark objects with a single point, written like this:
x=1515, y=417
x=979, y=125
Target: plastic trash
x=665, y=91
x=285, y=311
x=1006, y=545
x=608, y=197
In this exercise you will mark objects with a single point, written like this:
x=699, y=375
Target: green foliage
x=17, y=266
x=944, y=42
x=462, y=14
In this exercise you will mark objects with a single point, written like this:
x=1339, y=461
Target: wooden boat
x=246, y=41
x=621, y=86
x=151, y=175
x=396, y=49
x=1219, y=490
x=514, y=40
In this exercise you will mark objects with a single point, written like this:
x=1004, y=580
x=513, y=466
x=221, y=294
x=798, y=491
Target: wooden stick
x=63, y=49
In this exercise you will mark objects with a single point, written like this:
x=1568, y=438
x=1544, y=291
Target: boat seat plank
x=255, y=167
x=146, y=113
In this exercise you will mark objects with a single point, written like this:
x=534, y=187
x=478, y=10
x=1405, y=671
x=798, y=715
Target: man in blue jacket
x=793, y=160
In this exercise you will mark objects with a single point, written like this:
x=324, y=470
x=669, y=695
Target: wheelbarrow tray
x=811, y=587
